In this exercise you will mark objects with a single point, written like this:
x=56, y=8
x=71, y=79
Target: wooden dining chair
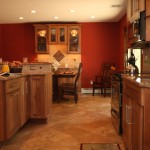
x=103, y=82
x=71, y=88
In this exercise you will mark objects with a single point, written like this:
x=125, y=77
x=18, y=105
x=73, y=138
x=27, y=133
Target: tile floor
x=69, y=125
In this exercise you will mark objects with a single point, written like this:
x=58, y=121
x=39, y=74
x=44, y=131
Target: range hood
x=140, y=44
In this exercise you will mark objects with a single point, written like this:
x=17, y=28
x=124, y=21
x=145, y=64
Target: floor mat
x=99, y=146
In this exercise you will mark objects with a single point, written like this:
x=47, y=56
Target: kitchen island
x=136, y=112
x=22, y=97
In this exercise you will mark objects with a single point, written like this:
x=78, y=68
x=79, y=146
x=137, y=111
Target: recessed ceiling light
x=72, y=10
x=21, y=18
x=33, y=11
x=56, y=17
x=92, y=17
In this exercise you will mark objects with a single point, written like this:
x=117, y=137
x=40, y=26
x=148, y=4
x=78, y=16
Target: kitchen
x=110, y=49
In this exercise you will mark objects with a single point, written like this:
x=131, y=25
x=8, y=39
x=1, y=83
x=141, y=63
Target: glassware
x=5, y=67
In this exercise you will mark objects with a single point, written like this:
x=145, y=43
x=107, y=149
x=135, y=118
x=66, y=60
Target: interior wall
x=100, y=43
x=17, y=42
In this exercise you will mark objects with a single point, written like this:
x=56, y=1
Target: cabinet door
x=132, y=124
x=62, y=35
x=41, y=39
x=74, y=39
x=13, y=120
x=134, y=8
x=147, y=20
x=137, y=126
x=37, y=99
x=24, y=90
x=41, y=96
x=127, y=119
x=53, y=33
x=57, y=34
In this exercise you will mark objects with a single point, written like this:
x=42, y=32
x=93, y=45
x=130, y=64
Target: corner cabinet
x=136, y=130
x=41, y=39
x=74, y=39
x=57, y=34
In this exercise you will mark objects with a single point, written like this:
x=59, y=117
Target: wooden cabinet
x=134, y=8
x=41, y=95
x=74, y=39
x=24, y=99
x=147, y=20
x=10, y=111
x=17, y=106
x=41, y=39
x=136, y=131
x=57, y=34
x=133, y=125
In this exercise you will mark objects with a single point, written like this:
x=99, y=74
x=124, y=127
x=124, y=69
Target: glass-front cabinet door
x=74, y=39
x=57, y=34
x=41, y=39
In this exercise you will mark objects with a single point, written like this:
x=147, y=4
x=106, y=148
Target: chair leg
x=104, y=91
x=76, y=98
x=101, y=90
x=93, y=91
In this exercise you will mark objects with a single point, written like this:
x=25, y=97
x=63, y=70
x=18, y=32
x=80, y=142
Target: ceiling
x=46, y=10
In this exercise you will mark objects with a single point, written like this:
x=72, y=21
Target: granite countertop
x=142, y=80
x=18, y=75
x=10, y=76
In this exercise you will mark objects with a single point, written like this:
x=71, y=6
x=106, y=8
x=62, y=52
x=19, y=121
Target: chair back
x=78, y=74
x=107, y=72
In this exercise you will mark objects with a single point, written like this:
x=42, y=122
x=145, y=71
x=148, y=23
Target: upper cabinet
x=134, y=8
x=147, y=20
x=57, y=34
x=74, y=39
x=41, y=39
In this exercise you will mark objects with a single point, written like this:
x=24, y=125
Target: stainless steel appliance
x=116, y=102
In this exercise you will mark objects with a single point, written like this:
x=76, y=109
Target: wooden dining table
x=56, y=76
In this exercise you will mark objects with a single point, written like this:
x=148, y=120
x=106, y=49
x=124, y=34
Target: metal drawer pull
x=128, y=114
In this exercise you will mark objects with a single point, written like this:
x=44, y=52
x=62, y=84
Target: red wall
x=17, y=41
x=99, y=44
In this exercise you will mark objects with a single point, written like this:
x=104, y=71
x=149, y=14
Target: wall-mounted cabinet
x=134, y=8
x=41, y=39
x=147, y=20
x=74, y=39
x=57, y=34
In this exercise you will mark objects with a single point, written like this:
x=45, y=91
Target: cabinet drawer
x=133, y=92
x=12, y=85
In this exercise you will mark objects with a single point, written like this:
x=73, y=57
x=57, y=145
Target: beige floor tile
x=70, y=124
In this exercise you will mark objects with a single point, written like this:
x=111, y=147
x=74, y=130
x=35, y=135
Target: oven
x=116, y=102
